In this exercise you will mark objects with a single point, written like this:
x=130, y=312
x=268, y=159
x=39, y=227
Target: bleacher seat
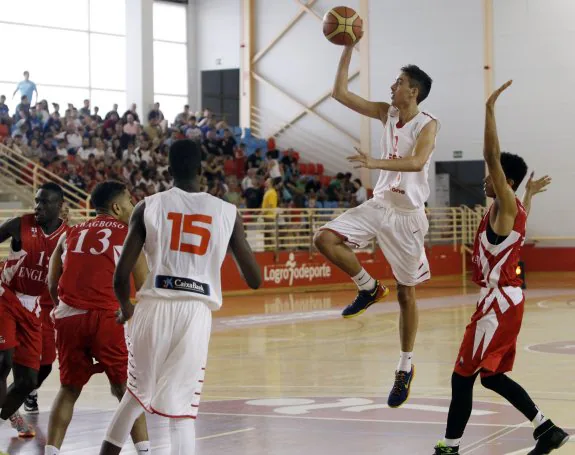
x=320, y=169
x=311, y=169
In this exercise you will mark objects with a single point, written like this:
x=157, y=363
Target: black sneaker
x=401, y=388
x=365, y=299
x=31, y=404
x=548, y=437
x=442, y=449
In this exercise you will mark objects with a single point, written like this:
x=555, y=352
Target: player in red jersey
x=489, y=344
x=34, y=237
x=48, y=336
x=80, y=281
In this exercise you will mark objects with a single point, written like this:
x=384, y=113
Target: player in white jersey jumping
x=185, y=235
x=396, y=214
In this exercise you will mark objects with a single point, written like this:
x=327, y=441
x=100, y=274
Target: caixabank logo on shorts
x=291, y=271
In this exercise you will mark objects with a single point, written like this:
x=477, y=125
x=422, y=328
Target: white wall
x=534, y=47
x=445, y=39
x=303, y=64
x=218, y=34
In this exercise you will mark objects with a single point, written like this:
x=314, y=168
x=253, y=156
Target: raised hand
x=363, y=160
x=537, y=186
x=491, y=100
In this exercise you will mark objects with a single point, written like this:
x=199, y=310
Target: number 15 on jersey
x=188, y=224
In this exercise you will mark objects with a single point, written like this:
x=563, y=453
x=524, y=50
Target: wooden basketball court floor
x=287, y=375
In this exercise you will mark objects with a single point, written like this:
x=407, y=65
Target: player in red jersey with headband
x=34, y=238
x=80, y=281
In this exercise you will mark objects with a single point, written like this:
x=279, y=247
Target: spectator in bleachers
x=360, y=194
x=271, y=199
x=86, y=111
x=27, y=88
x=114, y=111
x=183, y=117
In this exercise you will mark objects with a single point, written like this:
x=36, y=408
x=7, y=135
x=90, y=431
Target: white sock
x=364, y=281
x=539, y=420
x=182, y=436
x=452, y=442
x=405, y=361
x=51, y=450
x=123, y=421
x=143, y=447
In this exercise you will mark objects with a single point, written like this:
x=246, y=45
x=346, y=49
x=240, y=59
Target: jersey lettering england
x=403, y=190
x=187, y=237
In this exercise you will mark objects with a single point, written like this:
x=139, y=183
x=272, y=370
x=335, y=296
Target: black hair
x=185, y=159
x=53, y=187
x=420, y=79
x=104, y=193
x=358, y=181
x=514, y=168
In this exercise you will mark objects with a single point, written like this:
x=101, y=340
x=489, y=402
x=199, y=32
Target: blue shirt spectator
x=26, y=87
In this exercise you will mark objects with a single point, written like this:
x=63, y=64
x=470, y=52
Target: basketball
x=342, y=26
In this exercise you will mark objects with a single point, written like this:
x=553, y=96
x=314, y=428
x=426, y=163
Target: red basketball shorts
x=84, y=337
x=20, y=329
x=490, y=340
x=48, y=336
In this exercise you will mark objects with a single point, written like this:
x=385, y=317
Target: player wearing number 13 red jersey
x=185, y=235
x=80, y=280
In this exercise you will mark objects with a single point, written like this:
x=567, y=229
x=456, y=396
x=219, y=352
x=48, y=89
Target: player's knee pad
x=5, y=364
x=461, y=383
x=494, y=382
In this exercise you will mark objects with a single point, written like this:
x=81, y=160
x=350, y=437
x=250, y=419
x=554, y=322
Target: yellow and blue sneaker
x=365, y=299
x=401, y=388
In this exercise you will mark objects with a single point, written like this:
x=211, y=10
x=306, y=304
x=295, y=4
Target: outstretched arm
x=243, y=255
x=342, y=94
x=532, y=187
x=491, y=152
x=128, y=259
x=415, y=163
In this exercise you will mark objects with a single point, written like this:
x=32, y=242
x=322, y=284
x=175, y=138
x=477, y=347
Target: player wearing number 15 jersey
x=185, y=235
x=80, y=280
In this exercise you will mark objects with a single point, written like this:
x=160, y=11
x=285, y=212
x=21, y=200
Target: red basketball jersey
x=26, y=271
x=92, y=250
x=494, y=266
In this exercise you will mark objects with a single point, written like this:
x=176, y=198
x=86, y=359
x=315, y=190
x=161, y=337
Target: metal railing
x=23, y=177
x=293, y=229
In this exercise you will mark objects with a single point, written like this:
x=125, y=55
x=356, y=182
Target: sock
x=452, y=442
x=51, y=450
x=364, y=281
x=405, y=361
x=34, y=393
x=539, y=420
x=182, y=437
x=143, y=447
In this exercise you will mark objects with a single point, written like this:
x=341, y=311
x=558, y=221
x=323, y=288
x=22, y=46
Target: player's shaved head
x=185, y=159
x=53, y=188
x=105, y=193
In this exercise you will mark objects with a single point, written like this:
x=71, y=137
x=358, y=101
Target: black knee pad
x=493, y=382
x=461, y=383
x=5, y=364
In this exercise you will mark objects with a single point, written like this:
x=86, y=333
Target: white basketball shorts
x=167, y=353
x=400, y=235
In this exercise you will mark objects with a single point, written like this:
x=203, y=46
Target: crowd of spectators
x=85, y=146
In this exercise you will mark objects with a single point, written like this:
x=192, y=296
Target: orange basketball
x=342, y=26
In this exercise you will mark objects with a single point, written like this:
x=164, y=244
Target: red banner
x=302, y=269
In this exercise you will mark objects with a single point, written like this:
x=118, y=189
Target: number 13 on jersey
x=188, y=224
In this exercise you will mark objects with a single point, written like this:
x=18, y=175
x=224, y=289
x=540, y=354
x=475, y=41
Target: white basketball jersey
x=404, y=190
x=187, y=236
